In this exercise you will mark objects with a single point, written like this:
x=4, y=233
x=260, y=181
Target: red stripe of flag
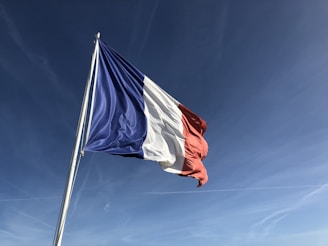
x=196, y=147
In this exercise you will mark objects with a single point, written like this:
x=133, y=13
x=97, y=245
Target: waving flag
x=132, y=116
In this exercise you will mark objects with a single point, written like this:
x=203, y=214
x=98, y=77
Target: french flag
x=132, y=116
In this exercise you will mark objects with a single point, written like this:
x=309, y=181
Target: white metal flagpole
x=72, y=172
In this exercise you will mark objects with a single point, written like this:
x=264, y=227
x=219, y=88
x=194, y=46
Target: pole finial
x=98, y=35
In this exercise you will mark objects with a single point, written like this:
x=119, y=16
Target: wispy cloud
x=16, y=187
x=29, y=199
x=267, y=188
x=80, y=189
x=25, y=229
x=313, y=193
x=37, y=59
x=263, y=227
x=7, y=233
x=35, y=219
x=148, y=28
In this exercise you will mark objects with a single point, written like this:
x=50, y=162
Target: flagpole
x=71, y=176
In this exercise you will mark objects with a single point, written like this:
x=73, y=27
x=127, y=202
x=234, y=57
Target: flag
x=133, y=117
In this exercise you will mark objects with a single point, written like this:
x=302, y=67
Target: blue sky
x=256, y=71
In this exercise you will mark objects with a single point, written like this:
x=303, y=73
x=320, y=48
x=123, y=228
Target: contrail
x=39, y=60
x=270, y=221
x=7, y=233
x=148, y=28
x=29, y=199
x=35, y=219
x=234, y=189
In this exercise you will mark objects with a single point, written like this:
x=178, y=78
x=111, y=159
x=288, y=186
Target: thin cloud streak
x=296, y=187
x=263, y=227
x=39, y=60
x=148, y=29
x=36, y=220
x=29, y=199
x=7, y=233
x=315, y=192
x=16, y=187
x=80, y=190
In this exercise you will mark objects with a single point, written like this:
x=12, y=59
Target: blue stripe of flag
x=118, y=124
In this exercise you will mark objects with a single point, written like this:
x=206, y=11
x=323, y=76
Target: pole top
x=98, y=35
